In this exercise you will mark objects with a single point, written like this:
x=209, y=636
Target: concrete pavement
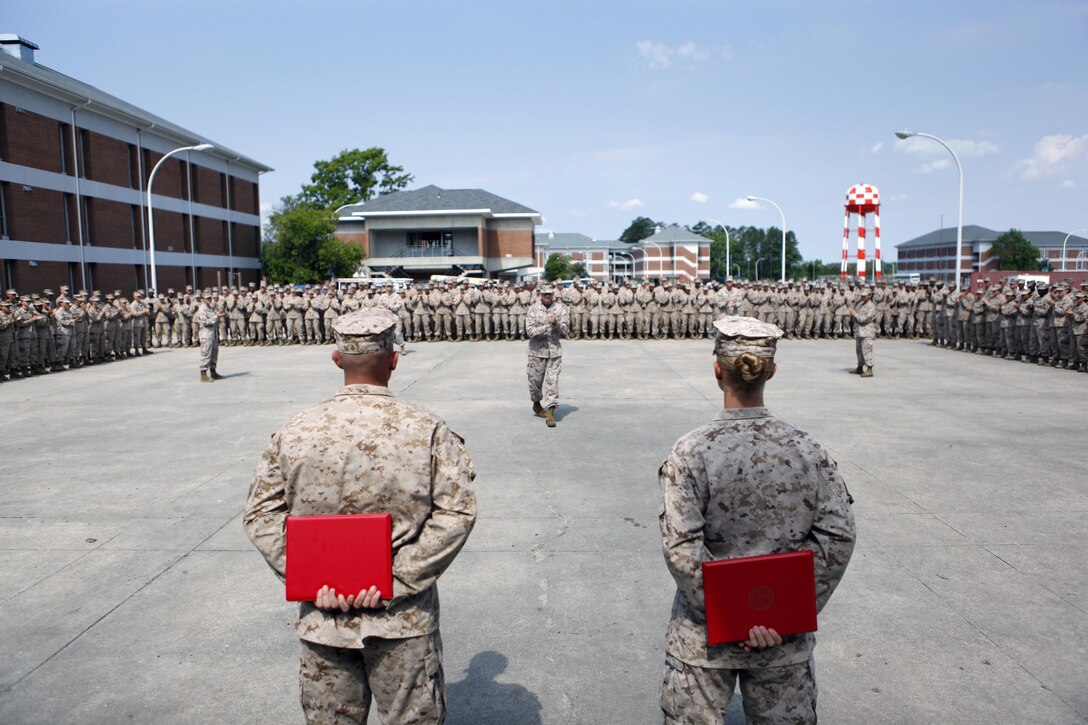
x=132, y=594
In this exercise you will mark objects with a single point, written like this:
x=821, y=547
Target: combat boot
x=868, y=372
x=549, y=418
x=215, y=375
x=204, y=377
x=538, y=410
x=858, y=370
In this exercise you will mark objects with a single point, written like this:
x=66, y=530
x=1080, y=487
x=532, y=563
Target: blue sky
x=596, y=112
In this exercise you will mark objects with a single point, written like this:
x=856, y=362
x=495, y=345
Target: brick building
x=74, y=168
x=669, y=253
x=432, y=230
x=933, y=255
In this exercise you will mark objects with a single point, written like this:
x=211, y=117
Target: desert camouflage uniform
x=545, y=351
x=206, y=322
x=746, y=484
x=367, y=451
x=868, y=325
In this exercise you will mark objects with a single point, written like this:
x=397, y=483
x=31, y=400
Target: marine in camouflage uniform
x=206, y=320
x=746, y=484
x=546, y=324
x=867, y=319
x=393, y=457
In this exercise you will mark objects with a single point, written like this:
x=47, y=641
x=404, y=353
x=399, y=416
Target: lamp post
x=959, y=225
x=757, y=267
x=1066, y=240
x=724, y=229
x=660, y=257
x=631, y=268
x=783, y=214
x=151, y=213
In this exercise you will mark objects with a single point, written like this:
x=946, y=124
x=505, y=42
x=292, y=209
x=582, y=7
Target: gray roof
x=434, y=198
x=975, y=233
x=672, y=234
x=57, y=85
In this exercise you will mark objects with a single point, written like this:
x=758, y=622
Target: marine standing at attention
x=746, y=484
x=367, y=451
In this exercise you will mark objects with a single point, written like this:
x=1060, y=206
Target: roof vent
x=17, y=47
x=657, y=229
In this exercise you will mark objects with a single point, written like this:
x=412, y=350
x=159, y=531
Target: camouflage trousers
x=209, y=349
x=772, y=695
x=864, y=348
x=544, y=380
x=404, y=676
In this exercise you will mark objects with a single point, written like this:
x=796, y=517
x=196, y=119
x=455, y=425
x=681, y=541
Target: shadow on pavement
x=562, y=411
x=480, y=700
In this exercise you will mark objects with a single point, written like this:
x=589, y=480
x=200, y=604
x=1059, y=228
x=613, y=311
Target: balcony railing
x=447, y=250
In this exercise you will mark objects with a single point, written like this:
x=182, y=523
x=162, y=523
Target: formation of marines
x=49, y=332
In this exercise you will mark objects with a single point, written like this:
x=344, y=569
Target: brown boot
x=215, y=375
x=550, y=417
x=868, y=372
x=204, y=377
x=538, y=411
x=858, y=370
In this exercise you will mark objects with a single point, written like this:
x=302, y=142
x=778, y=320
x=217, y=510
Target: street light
x=631, y=269
x=726, y=243
x=902, y=135
x=150, y=212
x=776, y=206
x=757, y=267
x=1066, y=240
x=660, y=257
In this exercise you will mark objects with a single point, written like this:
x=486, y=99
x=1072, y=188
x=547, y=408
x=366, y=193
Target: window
x=66, y=202
x=430, y=244
x=87, y=226
x=3, y=210
x=65, y=145
x=84, y=147
x=183, y=178
x=133, y=167
x=135, y=226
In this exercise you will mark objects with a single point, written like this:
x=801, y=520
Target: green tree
x=639, y=229
x=299, y=246
x=353, y=176
x=557, y=267
x=578, y=270
x=1016, y=252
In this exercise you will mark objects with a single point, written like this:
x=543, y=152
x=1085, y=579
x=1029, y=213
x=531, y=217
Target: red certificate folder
x=777, y=591
x=349, y=553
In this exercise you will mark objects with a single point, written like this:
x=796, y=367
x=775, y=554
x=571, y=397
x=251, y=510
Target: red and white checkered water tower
x=863, y=200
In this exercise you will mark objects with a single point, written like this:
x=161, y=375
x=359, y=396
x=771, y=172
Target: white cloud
x=626, y=205
x=1052, y=155
x=919, y=146
x=656, y=53
x=743, y=203
x=661, y=56
x=700, y=198
x=973, y=149
x=932, y=166
x=1067, y=184
x=928, y=148
x=691, y=52
x=876, y=150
